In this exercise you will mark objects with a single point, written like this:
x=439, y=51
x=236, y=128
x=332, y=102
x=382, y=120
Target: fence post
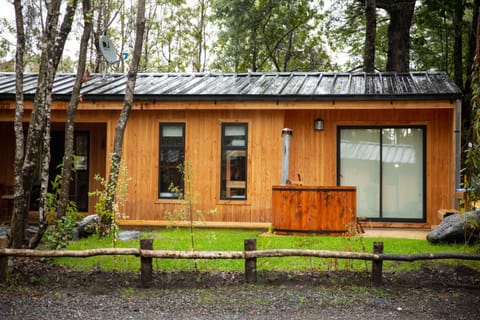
x=3, y=261
x=250, y=263
x=146, y=263
x=377, y=265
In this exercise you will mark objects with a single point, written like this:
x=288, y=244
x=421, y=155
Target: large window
x=233, y=184
x=387, y=166
x=172, y=154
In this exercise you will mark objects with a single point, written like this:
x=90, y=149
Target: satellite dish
x=108, y=50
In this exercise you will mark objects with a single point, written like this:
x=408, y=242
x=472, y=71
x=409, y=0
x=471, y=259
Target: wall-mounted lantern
x=318, y=125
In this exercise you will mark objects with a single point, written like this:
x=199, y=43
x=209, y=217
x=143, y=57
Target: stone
x=128, y=235
x=88, y=225
x=459, y=228
x=30, y=231
x=5, y=231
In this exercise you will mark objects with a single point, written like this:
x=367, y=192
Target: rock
x=30, y=231
x=75, y=234
x=457, y=228
x=88, y=225
x=128, y=235
x=5, y=231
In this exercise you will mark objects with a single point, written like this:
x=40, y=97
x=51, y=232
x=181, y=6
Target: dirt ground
x=37, y=289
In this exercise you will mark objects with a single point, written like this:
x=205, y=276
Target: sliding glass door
x=386, y=164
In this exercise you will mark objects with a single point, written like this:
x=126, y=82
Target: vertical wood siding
x=313, y=153
x=315, y=210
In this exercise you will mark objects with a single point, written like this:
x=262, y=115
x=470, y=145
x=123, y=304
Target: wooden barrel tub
x=321, y=210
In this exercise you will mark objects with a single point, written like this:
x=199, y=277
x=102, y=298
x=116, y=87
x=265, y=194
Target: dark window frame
x=423, y=219
x=163, y=146
x=223, y=163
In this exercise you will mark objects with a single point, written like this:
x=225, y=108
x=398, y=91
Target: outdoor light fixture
x=318, y=125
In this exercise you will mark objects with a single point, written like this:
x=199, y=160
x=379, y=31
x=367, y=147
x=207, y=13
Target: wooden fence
x=250, y=255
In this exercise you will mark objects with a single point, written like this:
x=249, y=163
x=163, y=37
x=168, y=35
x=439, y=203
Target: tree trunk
x=467, y=103
x=122, y=121
x=52, y=47
x=81, y=76
x=69, y=133
x=458, y=43
x=35, y=132
x=370, y=36
x=401, y=14
x=17, y=223
x=199, y=63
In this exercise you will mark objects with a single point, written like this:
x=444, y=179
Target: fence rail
x=250, y=254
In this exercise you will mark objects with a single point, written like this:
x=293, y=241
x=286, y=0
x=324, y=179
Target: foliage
x=189, y=198
x=176, y=34
x=471, y=171
x=432, y=35
x=59, y=235
x=59, y=232
x=266, y=35
x=108, y=218
x=346, y=20
x=255, y=35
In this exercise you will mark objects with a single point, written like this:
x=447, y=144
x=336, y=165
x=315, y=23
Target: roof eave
x=233, y=97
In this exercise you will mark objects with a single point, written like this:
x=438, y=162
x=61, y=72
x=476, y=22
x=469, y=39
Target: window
x=80, y=176
x=172, y=154
x=233, y=184
x=387, y=167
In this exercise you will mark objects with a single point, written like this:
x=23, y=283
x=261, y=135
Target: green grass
x=232, y=240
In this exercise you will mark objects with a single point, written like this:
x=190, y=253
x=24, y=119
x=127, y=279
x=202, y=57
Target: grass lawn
x=232, y=240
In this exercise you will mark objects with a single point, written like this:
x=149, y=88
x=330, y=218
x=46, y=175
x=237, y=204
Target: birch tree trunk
x=108, y=219
x=81, y=77
x=69, y=132
x=18, y=223
x=53, y=42
x=35, y=133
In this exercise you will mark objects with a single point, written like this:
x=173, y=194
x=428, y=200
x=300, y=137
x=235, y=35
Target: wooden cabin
x=394, y=137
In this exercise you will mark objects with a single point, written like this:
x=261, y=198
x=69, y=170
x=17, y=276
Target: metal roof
x=250, y=86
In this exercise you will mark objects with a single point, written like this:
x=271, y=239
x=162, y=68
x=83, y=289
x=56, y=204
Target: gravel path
x=53, y=293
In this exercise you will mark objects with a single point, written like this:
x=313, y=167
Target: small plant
x=471, y=228
x=354, y=239
x=60, y=230
x=108, y=218
x=189, y=199
x=59, y=236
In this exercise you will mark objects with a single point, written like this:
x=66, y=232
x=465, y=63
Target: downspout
x=286, y=136
x=458, y=148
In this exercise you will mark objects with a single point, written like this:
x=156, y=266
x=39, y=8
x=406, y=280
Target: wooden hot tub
x=313, y=209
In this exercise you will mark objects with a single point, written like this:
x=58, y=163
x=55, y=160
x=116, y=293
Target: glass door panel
x=360, y=167
x=402, y=173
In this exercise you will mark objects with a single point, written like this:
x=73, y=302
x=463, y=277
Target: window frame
x=223, y=149
x=423, y=219
x=162, y=194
